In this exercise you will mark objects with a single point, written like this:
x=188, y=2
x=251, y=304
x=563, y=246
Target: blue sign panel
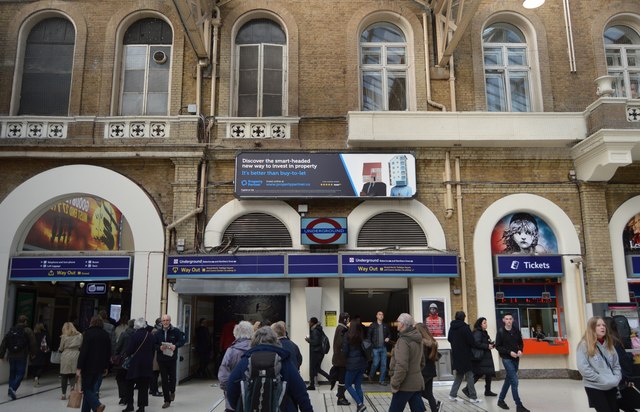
x=313, y=265
x=225, y=266
x=529, y=266
x=70, y=268
x=323, y=231
x=400, y=265
x=96, y=289
x=633, y=266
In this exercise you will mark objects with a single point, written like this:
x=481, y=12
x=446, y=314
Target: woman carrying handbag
x=140, y=368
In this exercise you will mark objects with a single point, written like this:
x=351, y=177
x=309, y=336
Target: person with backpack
x=17, y=345
x=243, y=333
x=356, y=362
x=317, y=350
x=266, y=375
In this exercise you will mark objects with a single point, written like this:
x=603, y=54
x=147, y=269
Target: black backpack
x=325, y=344
x=262, y=388
x=17, y=339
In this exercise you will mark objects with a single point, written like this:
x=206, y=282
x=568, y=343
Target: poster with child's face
x=523, y=233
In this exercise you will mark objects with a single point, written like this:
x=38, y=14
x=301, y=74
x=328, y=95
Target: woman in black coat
x=141, y=348
x=484, y=365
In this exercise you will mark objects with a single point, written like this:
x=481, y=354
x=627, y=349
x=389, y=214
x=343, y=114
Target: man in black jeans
x=509, y=345
x=167, y=342
x=315, y=352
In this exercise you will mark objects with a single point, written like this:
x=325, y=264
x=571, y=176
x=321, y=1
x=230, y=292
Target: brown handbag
x=75, y=397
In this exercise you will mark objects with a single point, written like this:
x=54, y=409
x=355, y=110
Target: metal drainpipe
x=463, y=259
x=427, y=75
x=167, y=235
x=448, y=199
x=452, y=86
x=214, y=60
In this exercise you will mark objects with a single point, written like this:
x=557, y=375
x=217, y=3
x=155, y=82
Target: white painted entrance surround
x=31, y=198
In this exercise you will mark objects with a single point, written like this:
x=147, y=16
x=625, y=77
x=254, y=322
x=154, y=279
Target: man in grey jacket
x=407, y=362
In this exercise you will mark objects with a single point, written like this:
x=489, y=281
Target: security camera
x=577, y=259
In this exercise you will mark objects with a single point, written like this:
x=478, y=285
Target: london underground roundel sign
x=324, y=231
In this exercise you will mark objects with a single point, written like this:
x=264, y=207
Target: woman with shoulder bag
x=140, y=349
x=598, y=364
x=70, y=342
x=482, y=361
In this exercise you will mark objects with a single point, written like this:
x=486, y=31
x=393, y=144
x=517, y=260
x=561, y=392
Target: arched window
x=261, y=47
x=622, y=46
x=383, y=64
x=146, y=63
x=507, y=69
x=48, y=61
x=389, y=229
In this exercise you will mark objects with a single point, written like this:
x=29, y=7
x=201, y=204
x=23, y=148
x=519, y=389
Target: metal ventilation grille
x=258, y=230
x=391, y=229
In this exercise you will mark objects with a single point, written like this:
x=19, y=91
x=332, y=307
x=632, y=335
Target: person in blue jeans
x=356, y=362
x=509, y=345
x=378, y=335
x=18, y=349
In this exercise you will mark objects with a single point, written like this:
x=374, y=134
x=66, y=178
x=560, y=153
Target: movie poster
x=523, y=233
x=631, y=235
x=77, y=223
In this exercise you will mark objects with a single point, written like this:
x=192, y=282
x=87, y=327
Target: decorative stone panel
x=33, y=128
x=257, y=128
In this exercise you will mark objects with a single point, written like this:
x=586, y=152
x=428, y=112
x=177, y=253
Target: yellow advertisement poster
x=330, y=318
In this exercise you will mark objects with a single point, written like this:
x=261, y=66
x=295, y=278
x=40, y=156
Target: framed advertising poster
x=186, y=322
x=434, y=316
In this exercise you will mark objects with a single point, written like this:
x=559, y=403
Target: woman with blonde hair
x=598, y=364
x=70, y=342
x=430, y=349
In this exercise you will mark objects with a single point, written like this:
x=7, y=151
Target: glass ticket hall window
x=536, y=308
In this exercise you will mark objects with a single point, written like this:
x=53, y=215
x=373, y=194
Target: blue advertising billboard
x=400, y=265
x=529, y=266
x=246, y=266
x=323, y=231
x=70, y=268
x=312, y=265
x=316, y=175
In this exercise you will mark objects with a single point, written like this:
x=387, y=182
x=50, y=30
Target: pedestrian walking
x=39, y=362
x=378, y=335
x=280, y=328
x=430, y=351
x=18, y=344
x=509, y=345
x=462, y=341
x=243, y=332
x=356, y=362
x=339, y=359
x=167, y=342
x=316, y=355
x=407, y=362
x=121, y=373
x=140, y=349
x=93, y=363
x=70, y=343
x=482, y=364
x=599, y=366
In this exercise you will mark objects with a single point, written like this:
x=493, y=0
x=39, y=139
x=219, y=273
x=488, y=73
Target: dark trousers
x=341, y=387
x=168, y=375
x=90, y=400
x=142, y=384
x=603, y=401
x=427, y=393
x=153, y=384
x=399, y=401
x=487, y=381
x=17, y=369
x=121, y=380
x=315, y=360
x=67, y=379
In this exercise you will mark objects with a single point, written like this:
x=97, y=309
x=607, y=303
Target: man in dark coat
x=93, y=362
x=167, y=342
x=280, y=328
x=339, y=359
x=265, y=340
x=203, y=348
x=141, y=349
x=315, y=352
x=462, y=341
x=18, y=359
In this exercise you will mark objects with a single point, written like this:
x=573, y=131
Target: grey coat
x=69, y=352
x=231, y=358
x=595, y=372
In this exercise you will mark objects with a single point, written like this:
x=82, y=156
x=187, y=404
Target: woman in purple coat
x=141, y=348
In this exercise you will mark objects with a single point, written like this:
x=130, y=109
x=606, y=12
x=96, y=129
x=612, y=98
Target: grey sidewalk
x=202, y=396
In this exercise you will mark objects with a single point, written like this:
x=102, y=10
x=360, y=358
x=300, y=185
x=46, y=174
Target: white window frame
x=145, y=91
x=384, y=69
x=260, y=89
x=623, y=72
